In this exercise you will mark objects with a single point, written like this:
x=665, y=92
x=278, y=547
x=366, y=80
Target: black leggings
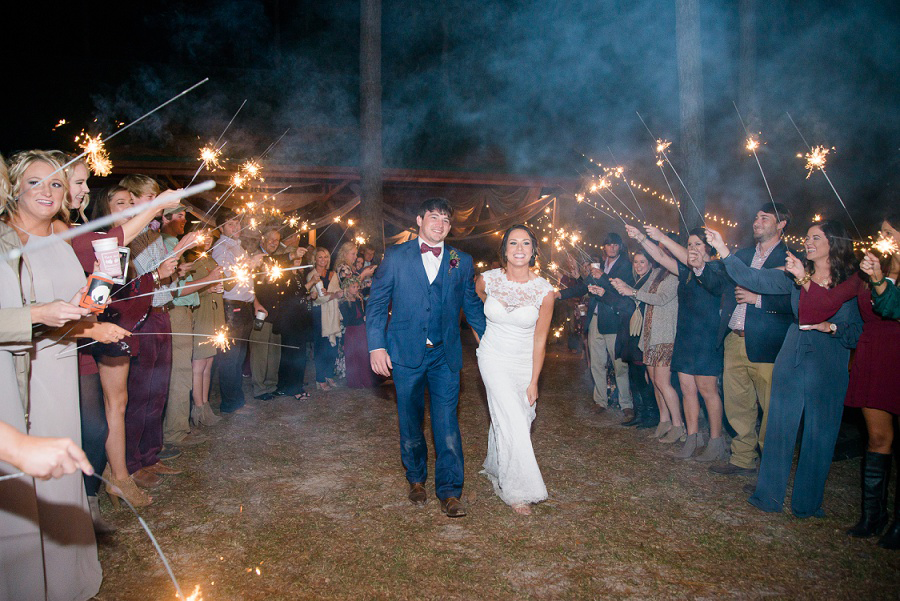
x=94, y=428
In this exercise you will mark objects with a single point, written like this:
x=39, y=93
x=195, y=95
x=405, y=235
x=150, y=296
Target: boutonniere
x=454, y=260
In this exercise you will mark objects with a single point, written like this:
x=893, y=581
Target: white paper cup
x=597, y=265
x=107, y=252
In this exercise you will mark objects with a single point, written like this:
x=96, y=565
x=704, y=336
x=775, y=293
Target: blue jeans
x=443, y=388
x=94, y=428
x=230, y=363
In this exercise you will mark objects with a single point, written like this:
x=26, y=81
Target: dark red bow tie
x=432, y=249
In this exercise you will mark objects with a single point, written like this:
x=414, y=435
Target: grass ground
x=307, y=500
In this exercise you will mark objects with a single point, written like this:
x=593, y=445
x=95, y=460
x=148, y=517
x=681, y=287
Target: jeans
x=230, y=362
x=94, y=428
x=443, y=388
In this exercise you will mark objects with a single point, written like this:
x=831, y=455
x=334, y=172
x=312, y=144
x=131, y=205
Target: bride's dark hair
x=534, y=243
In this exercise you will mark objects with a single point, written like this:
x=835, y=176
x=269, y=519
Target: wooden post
x=371, y=210
x=690, y=85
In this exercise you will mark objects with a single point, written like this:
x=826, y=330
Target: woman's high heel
x=323, y=386
x=127, y=490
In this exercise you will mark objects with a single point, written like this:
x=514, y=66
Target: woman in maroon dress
x=356, y=349
x=874, y=366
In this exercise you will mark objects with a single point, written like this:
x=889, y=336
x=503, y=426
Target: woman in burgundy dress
x=877, y=358
x=356, y=350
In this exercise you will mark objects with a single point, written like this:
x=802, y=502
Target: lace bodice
x=513, y=295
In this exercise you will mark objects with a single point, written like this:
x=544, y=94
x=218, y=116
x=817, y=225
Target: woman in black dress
x=697, y=357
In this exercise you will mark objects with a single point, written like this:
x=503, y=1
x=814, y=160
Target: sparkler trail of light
x=816, y=158
x=220, y=340
x=752, y=145
x=661, y=147
x=674, y=200
x=610, y=207
x=120, y=130
x=36, y=243
x=144, y=525
x=273, y=144
x=244, y=276
x=627, y=208
x=625, y=179
x=222, y=135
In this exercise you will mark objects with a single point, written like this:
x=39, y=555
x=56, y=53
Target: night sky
x=501, y=87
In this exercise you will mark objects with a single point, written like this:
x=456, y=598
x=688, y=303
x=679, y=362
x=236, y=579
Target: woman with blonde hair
x=37, y=198
x=326, y=318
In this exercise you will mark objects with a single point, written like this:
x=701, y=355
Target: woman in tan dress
x=209, y=317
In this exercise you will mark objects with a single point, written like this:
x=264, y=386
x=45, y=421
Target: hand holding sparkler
x=715, y=240
x=794, y=266
x=871, y=266
x=40, y=457
x=596, y=290
x=654, y=233
x=167, y=268
x=621, y=287
x=634, y=233
x=105, y=332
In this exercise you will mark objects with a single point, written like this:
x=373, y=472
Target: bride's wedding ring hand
x=532, y=393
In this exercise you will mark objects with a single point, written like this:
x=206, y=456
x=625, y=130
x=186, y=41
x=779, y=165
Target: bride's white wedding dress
x=505, y=361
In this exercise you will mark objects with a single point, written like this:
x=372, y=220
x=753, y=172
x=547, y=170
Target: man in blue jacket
x=605, y=317
x=751, y=329
x=412, y=325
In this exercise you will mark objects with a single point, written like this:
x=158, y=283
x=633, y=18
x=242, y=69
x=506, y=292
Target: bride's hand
x=532, y=393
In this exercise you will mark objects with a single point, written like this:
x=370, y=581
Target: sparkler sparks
x=60, y=124
x=815, y=159
x=274, y=273
x=220, y=340
x=210, y=156
x=195, y=596
x=241, y=273
x=752, y=144
x=662, y=146
x=885, y=245
x=96, y=155
x=252, y=169
x=238, y=180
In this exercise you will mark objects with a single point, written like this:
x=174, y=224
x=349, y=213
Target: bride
x=518, y=305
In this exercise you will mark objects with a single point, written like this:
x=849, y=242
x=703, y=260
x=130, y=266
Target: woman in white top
x=518, y=306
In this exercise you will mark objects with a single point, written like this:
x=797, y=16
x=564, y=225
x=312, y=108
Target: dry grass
x=312, y=494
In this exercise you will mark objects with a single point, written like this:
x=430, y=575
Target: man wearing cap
x=176, y=422
x=606, y=311
x=240, y=305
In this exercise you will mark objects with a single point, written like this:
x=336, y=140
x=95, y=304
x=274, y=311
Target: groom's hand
x=381, y=362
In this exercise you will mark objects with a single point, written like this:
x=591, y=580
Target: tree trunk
x=370, y=122
x=690, y=80
x=747, y=84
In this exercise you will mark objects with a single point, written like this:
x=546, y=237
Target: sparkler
x=815, y=159
x=885, y=245
x=620, y=171
x=219, y=340
x=751, y=145
x=95, y=154
x=661, y=147
x=36, y=243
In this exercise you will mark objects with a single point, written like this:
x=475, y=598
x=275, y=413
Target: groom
x=424, y=284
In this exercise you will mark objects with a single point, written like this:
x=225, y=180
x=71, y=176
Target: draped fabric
x=328, y=219
x=504, y=210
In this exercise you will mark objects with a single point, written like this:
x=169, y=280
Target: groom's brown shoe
x=453, y=507
x=417, y=494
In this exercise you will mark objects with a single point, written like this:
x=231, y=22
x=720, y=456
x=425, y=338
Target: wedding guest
x=70, y=569
x=696, y=358
x=265, y=341
x=326, y=318
x=240, y=304
x=877, y=357
x=605, y=320
x=295, y=323
x=810, y=376
x=41, y=458
x=177, y=421
x=209, y=318
x=646, y=410
x=752, y=328
x=885, y=295
x=356, y=348
x=148, y=377
x=659, y=293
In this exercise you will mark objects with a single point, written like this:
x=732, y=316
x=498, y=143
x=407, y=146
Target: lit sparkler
x=885, y=245
x=274, y=272
x=817, y=218
x=60, y=124
x=252, y=169
x=210, y=156
x=815, y=159
x=220, y=340
x=95, y=154
x=752, y=144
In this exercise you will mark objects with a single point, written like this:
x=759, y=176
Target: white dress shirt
x=432, y=264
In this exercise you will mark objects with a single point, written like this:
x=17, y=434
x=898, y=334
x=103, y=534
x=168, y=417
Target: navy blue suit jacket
x=612, y=308
x=765, y=327
x=400, y=285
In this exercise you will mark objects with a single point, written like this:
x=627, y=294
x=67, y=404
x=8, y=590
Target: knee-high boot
x=875, y=474
x=891, y=538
